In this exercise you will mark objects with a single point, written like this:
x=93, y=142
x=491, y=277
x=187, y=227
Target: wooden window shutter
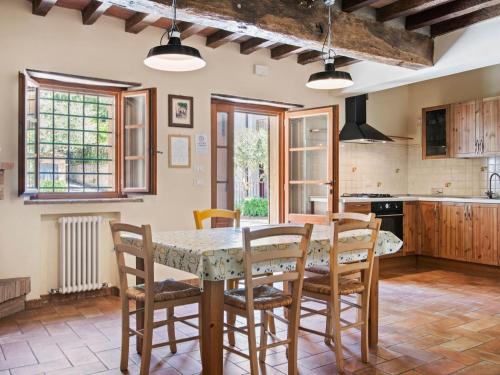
x=138, y=141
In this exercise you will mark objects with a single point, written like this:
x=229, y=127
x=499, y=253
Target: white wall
x=60, y=43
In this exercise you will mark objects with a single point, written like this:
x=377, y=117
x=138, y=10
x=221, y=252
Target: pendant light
x=329, y=79
x=173, y=56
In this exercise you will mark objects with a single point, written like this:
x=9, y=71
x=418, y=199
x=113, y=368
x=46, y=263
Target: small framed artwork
x=180, y=111
x=179, y=151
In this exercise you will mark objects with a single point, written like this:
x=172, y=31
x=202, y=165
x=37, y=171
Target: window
x=79, y=140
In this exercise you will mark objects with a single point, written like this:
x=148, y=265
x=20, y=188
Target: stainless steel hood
x=356, y=129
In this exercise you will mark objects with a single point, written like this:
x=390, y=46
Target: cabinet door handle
x=482, y=145
x=475, y=146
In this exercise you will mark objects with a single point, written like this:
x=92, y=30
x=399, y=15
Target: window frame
x=119, y=131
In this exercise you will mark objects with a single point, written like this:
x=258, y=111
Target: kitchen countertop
x=423, y=197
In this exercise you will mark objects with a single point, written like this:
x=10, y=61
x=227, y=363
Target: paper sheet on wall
x=201, y=143
x=179, y=151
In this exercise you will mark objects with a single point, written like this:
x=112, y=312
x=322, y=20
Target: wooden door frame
x=332, y=155
x=218, y=105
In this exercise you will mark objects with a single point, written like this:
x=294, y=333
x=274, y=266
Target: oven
x=391, y=213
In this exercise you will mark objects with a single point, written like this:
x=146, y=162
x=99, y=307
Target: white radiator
x=79, y=253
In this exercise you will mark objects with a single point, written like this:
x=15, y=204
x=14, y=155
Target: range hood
x=356, y=130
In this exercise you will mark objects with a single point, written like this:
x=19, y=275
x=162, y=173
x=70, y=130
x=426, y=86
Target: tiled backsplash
x=399, y=169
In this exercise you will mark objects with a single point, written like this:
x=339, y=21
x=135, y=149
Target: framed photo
x=180, y=111
x=179, y=151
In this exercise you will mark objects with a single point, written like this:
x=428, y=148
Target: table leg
x=139, y=317
x=212, y=325
x=373, y=320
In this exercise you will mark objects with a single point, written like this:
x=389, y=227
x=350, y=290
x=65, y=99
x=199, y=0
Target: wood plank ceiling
x=413, y=50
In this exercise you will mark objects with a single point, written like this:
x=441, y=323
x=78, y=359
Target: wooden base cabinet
x=428, y=217
x=410, y=228
x=484, y=219
x=455, y=229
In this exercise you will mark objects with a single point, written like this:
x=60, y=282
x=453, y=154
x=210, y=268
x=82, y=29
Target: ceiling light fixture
x=173, y=56
x=329, y=79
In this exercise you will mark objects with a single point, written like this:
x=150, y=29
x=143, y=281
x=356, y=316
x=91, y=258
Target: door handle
x=331, y=183
x=475, y=146
x=482, y=145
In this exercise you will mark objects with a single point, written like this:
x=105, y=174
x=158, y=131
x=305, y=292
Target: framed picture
x=179, y=151
x=180, y=111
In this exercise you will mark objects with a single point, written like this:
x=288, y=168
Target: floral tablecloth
x=216, y=254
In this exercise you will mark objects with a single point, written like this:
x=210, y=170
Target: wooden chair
x=200, y=216
x=352, y=279
x=259, y=294
x=153, y=295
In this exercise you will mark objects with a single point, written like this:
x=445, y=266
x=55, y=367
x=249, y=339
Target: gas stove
x=366, y=195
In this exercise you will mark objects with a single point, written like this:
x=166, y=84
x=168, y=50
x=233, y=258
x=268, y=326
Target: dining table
x=216, y=255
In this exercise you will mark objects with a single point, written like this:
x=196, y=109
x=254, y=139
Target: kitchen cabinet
x=484, y=220
x=466, y=129
x=491, y=125
x=361, y=208
x=455, y=229
x=428, y=217
x=436, y=132
x=410, y=228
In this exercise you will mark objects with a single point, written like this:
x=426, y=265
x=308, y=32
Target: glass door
x=311, y=164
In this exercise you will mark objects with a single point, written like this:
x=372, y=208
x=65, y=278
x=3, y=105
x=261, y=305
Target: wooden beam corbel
x=254, y=44
x=93, y=11
x=42, y=7
x=341, y=61
x=221, y=37
x=188, y=29
x=286, y=50
x=139, y=21
x=309, y=57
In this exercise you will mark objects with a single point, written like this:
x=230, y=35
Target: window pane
x=72, y=145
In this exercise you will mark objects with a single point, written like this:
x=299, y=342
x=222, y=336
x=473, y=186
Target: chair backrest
x=298, y=254
x=345, y=222
x=199, y=216
x=143, y=255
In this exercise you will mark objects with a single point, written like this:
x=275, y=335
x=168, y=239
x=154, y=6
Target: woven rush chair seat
x=166, y=290
x=320, y=270
x=264, y=298
x=321, y=285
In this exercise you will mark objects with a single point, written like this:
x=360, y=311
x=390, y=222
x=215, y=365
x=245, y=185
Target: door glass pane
x=435, y=132
x=222, y=195
x=309, y=131
x=221, y=129
x=135, y=142
x=222, y=164
x=308, y=165
x=308, y=199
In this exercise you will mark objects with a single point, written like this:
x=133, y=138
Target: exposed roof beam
x=221, y=37
x=352, y=5
x=139, y=21
x=253, y=44
x=357, y=37
x=309, y=57
x=464, y=21
x=188, y=29
x=285, y=50
x=405, y=8
x=447, y=11
x=42, y=7
x=93, y=11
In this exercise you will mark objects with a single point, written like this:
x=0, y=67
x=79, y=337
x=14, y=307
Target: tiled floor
x=431, y=322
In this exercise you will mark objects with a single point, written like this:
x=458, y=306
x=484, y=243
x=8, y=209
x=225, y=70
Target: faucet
x=490, y=193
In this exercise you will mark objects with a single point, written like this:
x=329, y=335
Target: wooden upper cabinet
x=428, y=216
x=455, y=230
x=410, y=228
x=491, y=125
x=465, y=132
x=484, y=218
x=436, y=132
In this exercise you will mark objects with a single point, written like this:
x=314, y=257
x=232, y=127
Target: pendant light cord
x=328, y=38
x=173, y=28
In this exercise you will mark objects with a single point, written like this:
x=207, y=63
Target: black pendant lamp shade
x=329, y=79
x=173, y=56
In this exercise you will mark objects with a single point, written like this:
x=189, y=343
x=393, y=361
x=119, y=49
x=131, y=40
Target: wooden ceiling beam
x=139, y=21
x=221, y=37
x=93, y=11
x=254, y=44
x=341, y=61
x=405, y=8
x=188, y=29
x=309, y=57
x=352, y=5
x=285, y=50
x=464, y=21
x=446, y=12
x=289, y=22
x=42, y=7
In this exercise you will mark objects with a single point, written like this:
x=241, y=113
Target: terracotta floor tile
x=440, y=367
x=461, y=344
x=481, y=368
x=399, y=365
